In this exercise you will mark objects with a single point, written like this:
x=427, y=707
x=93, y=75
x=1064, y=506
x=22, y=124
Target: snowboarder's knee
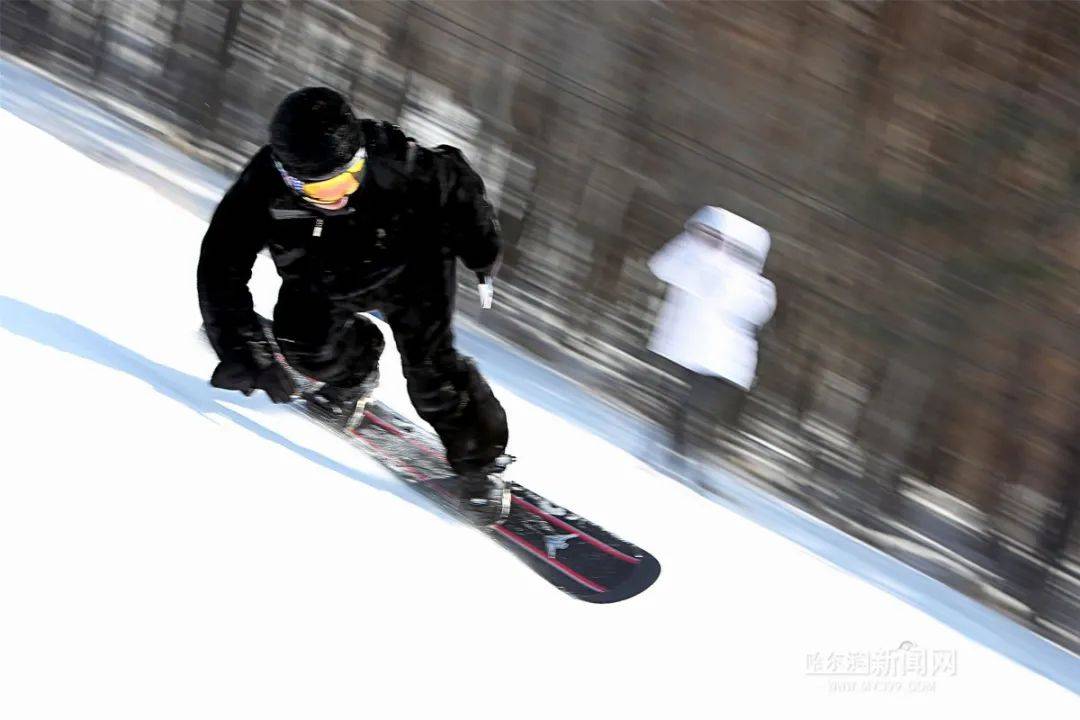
x=347, y=356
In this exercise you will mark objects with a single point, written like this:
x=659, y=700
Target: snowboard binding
x=342, y=407
x=484, y=497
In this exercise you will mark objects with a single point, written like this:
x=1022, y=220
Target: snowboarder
x=716, y=302
x=357, y=217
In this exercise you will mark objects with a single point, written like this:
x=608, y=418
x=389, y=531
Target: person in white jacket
x=716, y=302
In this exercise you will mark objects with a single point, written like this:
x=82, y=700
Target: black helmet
x=314, y=132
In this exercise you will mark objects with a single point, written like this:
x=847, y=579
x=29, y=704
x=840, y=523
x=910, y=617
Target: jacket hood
x=750, y=237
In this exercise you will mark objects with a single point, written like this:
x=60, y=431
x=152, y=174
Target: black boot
x=343, y=407
x=483, y=495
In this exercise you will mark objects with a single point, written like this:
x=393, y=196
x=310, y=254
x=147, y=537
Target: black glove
x=273, y=379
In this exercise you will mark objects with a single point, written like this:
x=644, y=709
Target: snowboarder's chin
x=336, y=205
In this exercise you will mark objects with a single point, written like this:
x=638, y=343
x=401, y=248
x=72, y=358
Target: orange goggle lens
x=331, y=189
x=335, y=188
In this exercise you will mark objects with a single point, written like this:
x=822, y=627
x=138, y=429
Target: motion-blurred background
x=918, y=166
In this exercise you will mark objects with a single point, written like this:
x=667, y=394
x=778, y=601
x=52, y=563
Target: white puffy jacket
x=717, y=299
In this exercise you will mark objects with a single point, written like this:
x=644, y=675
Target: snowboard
x=572, y=553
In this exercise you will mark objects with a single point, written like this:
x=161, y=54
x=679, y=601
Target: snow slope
x=168, y=550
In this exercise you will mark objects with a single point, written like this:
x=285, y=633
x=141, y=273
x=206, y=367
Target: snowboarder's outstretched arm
x=470, y=219
x=236, y=234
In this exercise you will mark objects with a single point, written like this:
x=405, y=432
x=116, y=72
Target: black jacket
x=412, y=202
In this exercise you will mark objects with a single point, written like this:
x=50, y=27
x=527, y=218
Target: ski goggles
x=330, y=189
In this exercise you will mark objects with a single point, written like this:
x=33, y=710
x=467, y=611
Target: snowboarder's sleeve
x=470, y=219
x=236, y=234
x=768, y=302
x=757, y=305
x=676, y=263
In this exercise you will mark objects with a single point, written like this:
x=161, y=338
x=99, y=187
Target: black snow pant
x=700, y=406
x=327, y=339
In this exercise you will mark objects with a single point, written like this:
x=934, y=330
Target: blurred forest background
x=917, y=163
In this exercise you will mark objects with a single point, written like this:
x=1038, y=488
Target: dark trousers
x=700, y=406
x=325, y=338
